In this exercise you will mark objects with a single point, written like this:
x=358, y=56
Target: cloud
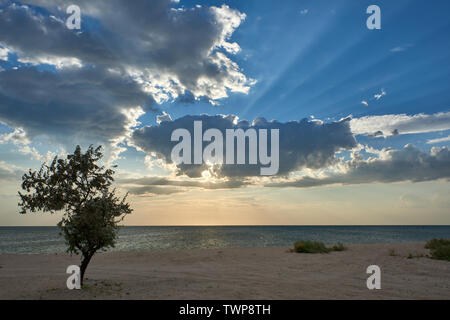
x=308, y=153
x=439, y=140
x=18, y=136
x=397, y=49
x=123, y=62
x=394, y=124
x=165, y=185
x=410, y=200
x=387, y=166
x=9, y=172
x=87, y=104
x=302, y=144
x=166, y=51
x=163, y=117
x=407, y=164
x=400, y=48
x=153, y=190
x=378, y=96
x=304, y=11
x=4, y=54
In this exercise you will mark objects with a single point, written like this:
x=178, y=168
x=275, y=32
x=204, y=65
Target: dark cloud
x=33, y=34
x=157, y=44
x=407, y=164
x=153, y=190
x=125, y=56
x=163, y=181
x=303, y=144
x=72, y=103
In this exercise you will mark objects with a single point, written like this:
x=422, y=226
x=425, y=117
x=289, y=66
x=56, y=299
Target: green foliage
x=338, y=247
x=307, y=246
x=80, y=188
x=94, y=226
x=439, y=249
x=437, y=243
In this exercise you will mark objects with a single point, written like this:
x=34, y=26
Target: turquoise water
x=47, y=240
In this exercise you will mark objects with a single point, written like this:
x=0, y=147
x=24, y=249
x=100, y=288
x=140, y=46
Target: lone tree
x=81, y=189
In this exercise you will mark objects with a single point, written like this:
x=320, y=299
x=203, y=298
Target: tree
x=81, y=189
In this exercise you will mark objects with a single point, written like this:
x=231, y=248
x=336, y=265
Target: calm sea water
x=47, y=240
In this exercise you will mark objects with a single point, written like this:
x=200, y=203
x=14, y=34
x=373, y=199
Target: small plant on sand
x=417, y=255
x=338, y=247
x=392, y=252
x=307, y=246
x=439, y=249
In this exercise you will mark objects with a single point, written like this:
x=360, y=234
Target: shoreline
x=231, y=273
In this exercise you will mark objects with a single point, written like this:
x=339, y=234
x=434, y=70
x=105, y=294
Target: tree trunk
x=83, y=266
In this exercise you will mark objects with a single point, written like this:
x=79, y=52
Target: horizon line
x=269, y=225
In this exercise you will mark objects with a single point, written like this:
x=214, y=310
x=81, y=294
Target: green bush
x=437, y=243
x=439, y=249
x=338, y=247
x=307, y=246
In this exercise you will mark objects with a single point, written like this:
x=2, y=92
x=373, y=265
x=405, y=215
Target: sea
x=33, y=240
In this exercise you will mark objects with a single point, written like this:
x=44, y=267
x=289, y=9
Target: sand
x=232, y=273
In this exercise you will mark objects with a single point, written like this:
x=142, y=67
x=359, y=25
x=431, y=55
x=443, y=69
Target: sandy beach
x=232, y=273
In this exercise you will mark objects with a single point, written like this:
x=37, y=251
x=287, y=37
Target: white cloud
x=58, y=62
x=304, y=11
x=154, y=55
x=379, y=95
x=439, y=140
x=365, y=103
x=178, y=52
x=4, y=54
x=18, y=136
x=398, y=49
x=9, y=171
x=393, y=124
x=163, y=117
x=407, y=164
x=401, y=48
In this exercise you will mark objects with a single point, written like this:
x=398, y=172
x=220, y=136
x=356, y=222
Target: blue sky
x=325, y=61
x=294, y=60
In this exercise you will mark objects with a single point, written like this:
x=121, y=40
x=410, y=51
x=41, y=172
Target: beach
x=231, y=273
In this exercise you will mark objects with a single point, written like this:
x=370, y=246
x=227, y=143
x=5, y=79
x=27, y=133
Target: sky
x=363, y=114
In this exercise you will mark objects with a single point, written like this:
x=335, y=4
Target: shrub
x=307, y=246
x=439, y=249
x=338, y=247
x=436, y=243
